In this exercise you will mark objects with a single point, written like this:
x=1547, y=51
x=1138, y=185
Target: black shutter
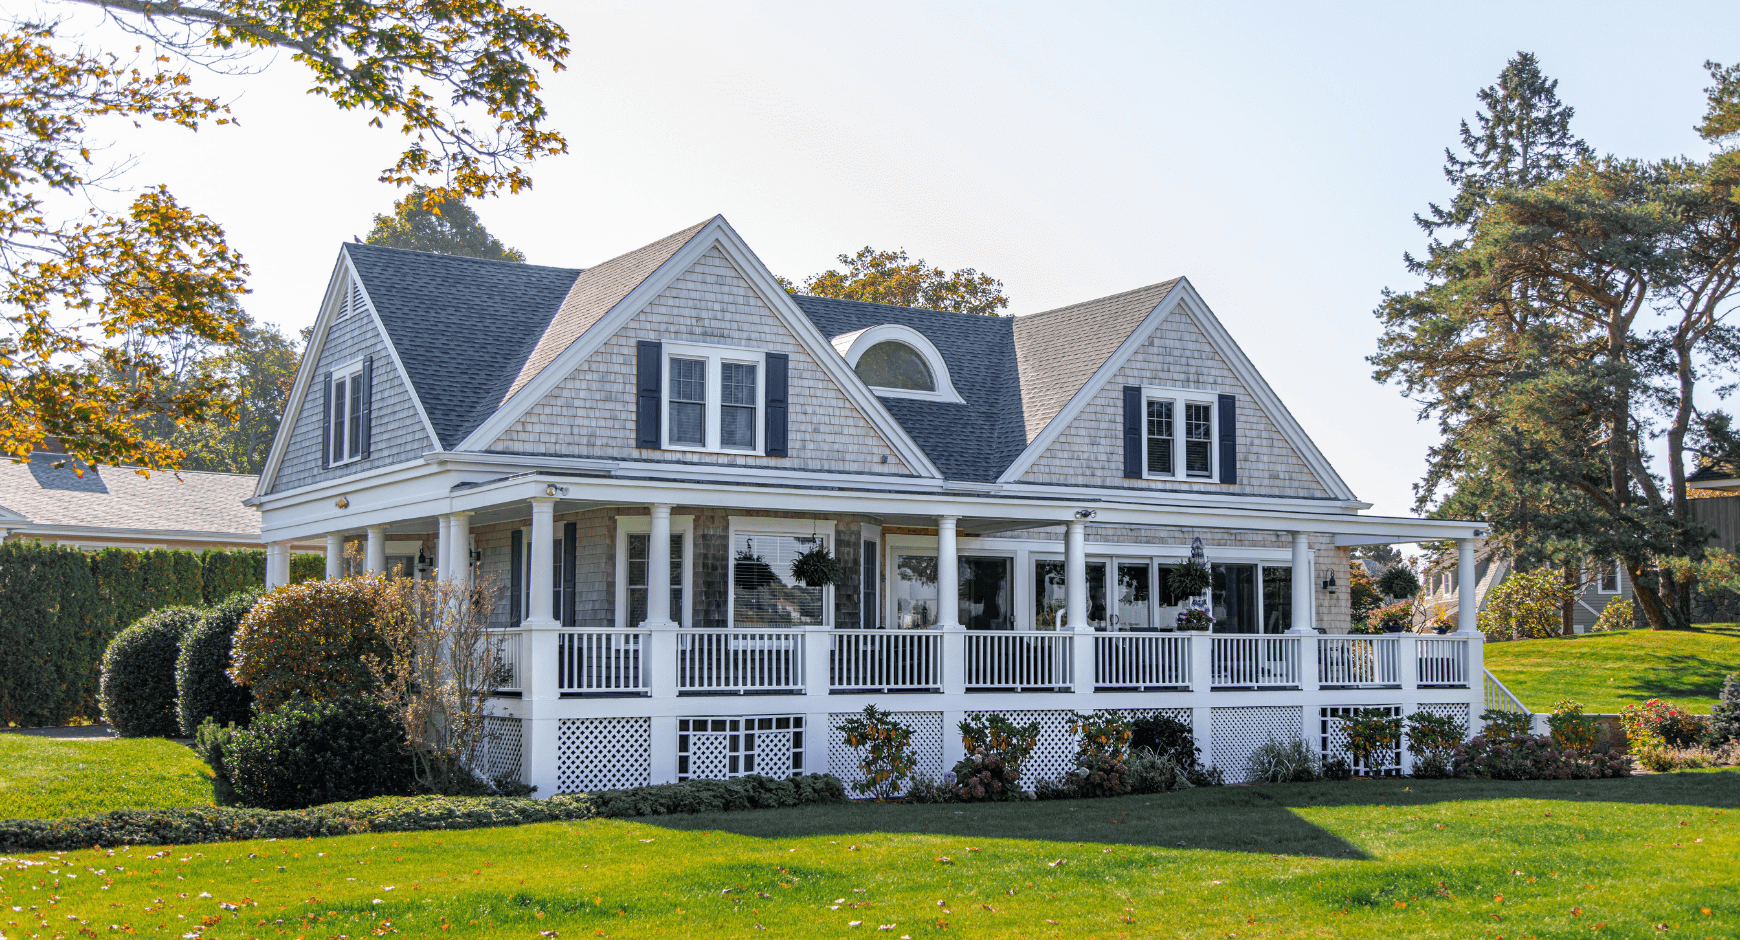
x=516, y=575
x=326, y=423
x=650, y=369
x=570, y=554
x=1133, y=432
x=778, y=395
x=1229, y=439
x=368, y=404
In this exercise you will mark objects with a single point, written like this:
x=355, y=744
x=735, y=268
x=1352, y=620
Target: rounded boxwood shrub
x=138, y=685
x=305, y=753
x=203, y=685
x=309, y=641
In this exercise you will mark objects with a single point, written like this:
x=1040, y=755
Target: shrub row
x=60, y=607
x=711, y=796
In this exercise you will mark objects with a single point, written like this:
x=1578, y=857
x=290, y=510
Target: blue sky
x=1272, y=153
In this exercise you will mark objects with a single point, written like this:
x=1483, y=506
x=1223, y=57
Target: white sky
x=1273, y=153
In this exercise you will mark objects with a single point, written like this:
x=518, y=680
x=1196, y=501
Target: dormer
x=897, y=361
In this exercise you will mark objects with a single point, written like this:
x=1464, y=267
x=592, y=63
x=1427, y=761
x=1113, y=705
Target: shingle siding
x=591, y=413
x=397, y=433
x=1090, y=450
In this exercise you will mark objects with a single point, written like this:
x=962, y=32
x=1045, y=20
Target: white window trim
x=682, y=527
x=344, y=374
x=760, y=525
x=715, y=356
x=1618, y=579
x=1179, y=397
x=853, y=346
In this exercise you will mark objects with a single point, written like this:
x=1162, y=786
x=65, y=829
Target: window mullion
x=715, y=395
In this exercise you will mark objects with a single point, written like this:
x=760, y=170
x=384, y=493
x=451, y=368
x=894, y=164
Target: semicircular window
x=891, y=364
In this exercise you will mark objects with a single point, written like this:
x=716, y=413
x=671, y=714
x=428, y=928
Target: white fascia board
x=304, y=376
x=1184, y=497
x=10, y=517
x=716, y=233
x=106, y=532
x=344, y=486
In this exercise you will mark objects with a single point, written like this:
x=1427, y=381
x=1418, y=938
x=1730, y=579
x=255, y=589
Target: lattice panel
x=927, y=741
x=1054, y=755
x=1458, y=711
x=1333, y=736
x=723, y=748
x=603, y=753
x=501, y=747
x=1238, y=732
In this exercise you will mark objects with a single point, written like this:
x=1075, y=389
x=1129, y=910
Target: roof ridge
x=1093, y=300
x=351, y=246
x=872, y=303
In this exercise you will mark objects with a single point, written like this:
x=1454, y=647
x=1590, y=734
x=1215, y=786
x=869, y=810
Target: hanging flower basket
x=1188, y=579
x=816, y=568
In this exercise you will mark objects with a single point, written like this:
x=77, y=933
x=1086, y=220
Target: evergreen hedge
x=202, y=679
x=138, y=690
x=60, y=607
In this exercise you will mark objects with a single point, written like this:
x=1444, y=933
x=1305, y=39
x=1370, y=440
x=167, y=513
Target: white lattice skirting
x=1458, y=711
x=1332, y=739
x=603, y=753
x=927, y=742
x=1238, y=732
x=501, y=747
x=728, y=747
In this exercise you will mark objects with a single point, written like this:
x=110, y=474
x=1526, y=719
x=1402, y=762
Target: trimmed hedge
x=710, y=796
x=138, y=685
x=202, y=679
x=309, y=641
x=60, y=607
x=307, y=753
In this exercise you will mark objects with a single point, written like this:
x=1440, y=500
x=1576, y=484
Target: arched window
x=893, y=364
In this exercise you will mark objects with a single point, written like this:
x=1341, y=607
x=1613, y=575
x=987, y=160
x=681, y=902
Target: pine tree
x=448, y=227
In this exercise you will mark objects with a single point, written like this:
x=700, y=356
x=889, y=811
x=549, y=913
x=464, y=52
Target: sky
x=1273, y=153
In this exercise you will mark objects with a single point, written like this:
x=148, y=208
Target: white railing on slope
x=602, y=661
x=1254, y=662
x=507, y=654
x=1141, y=661
x=1499, y=698
x=1442, y=661
x=1358, y=662
x=734, y=661
x=885, y=660
x=1008, y=660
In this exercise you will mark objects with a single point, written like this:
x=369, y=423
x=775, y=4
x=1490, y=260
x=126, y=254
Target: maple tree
x=891, y=277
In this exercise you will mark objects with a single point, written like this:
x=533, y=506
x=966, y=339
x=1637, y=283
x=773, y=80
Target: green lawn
x=43, y=778
x=1606, y=671
x=1377, y=859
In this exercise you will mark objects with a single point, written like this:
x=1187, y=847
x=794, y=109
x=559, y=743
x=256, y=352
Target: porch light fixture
x=1329, y=584
x=342, y=502
x=554, y=490
x=1086, y=513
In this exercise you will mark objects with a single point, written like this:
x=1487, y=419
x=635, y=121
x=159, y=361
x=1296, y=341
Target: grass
x=1607, y=671
x=1362, y=859
x=44, y=778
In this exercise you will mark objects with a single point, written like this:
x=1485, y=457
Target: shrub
x=311, y=640
x=1370, y=732
x=1102, y=754
x=1168, y=737
x=1617, y=615
x=928, y=789
x=1571, y=729
x=1724, y=724
x=1152, y=772
x=306, y=753
x=1531, y=757
x=1399, y=581
x=1527, y=604
x=1337, y=768
x=1433, y=734
x=209, y=741
x=996, y=749
x=54, y=629
x=1290, y=761
x=203, y=687
x=886, y=758
x=1660, y=720
x=1393, y=618
x=138, y=686
x=1503, y=724
x=711, y=796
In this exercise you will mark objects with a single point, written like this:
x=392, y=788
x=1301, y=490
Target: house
x=45, y=499
x=1598, y=585
x=638, y=451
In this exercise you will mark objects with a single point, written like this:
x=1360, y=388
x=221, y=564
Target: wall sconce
x=1086, y=513
x=342, y=502
x=554, y=490
x=1329, y=584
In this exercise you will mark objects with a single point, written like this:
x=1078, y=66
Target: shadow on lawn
x=1677, y=676
x=1259, y=819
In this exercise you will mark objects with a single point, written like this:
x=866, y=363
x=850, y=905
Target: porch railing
x=1442, y=661
x=1358, y=662
x=1021, y=661
x=603, y=661
x=1498, y=698
x=1254, y=662
x=885, y=660
x=507, y=653
x=1141, y=661
x=739, y=661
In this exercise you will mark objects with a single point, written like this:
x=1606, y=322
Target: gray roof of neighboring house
x=119, y=498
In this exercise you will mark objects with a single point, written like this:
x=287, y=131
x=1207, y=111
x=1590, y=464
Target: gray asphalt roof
x=1059, y=350
x=119, y=498
x=462, y=326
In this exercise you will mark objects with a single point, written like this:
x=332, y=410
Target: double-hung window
x=345, y=421
x=1609, y=579
x=1180, y=434
x=714, y=398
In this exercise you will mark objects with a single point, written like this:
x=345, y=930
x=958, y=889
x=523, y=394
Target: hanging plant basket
x=816, y=568
x=1187, y=579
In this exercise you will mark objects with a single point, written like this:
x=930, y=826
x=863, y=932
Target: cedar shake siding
x=591, y=412
x=397, y=431
x=1090, y=450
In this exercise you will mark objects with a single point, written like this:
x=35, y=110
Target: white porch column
x=461, y=561
x=443, y=546
x=948, y=574
x=273, y=578
x=1075, y=599
x=539, y=634
x=1467, y=612
x=538, y=586
x=334, y=555
x=658, y=569
x=1304, y=582
x=375, y=558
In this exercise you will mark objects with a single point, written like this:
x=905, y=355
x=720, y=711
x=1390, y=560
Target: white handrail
x=1442, y=661
x=507, y=652
x=1358, y=662
x=885, y=660
x=601, y=661
x=1141, y=661
x=1499, y=698
x=1254, y=662
x=1009, y=660
x=735, y=661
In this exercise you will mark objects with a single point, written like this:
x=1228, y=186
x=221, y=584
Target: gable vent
x=356, y=297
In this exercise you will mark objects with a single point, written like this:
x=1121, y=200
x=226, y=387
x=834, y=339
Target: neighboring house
x=117, y=507
x=1600, y=585
x=637, y=452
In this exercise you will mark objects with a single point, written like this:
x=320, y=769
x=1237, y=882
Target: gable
x=1179, y=352
x=590, y=412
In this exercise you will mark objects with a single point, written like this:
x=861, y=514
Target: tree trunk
x=1660, y=613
